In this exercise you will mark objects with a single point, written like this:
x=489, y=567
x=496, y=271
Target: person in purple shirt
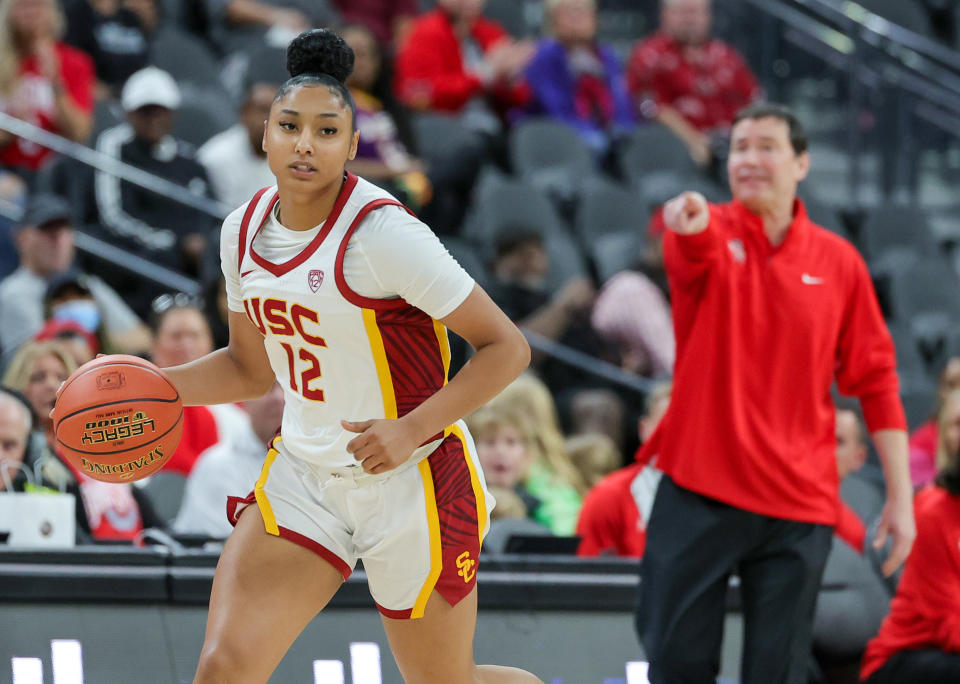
x=577, y=80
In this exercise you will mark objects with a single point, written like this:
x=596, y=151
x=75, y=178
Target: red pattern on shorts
x=459, y=524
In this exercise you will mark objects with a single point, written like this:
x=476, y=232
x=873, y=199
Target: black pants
x=914, y=667
x=693, y=546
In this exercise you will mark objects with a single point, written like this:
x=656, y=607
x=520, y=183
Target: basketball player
x=344, y=298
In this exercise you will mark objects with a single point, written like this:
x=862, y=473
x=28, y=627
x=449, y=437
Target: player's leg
x=254, y=617
x=438, y=648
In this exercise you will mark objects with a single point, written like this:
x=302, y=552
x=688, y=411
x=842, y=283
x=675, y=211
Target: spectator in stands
x=459, y=62
x=105, y=511
x=851, y=455
x=181, y=335
x=16, y=424
x=215, y=308
x=45, y=243
x=382, y=158
x=503, y=449
x=82, y=345
x=615, y=511
x=552, y=478
x=228, y=467
x=247, y=24
x=919, y=640
x=115, y=36
x=150, y=225
x=633, y=313
x=691, y=83
x=746, y=447
x=388, y=20
x=13, y=193
x=234, y=159
x=924, y=440
x=595, y=455
x=578, y=80
x=42, y=81
x=519, y=270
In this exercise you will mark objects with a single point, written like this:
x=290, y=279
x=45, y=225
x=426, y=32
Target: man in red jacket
x=769, y=311
x=454, y=60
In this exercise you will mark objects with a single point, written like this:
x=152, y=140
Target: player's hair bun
x=319, y=51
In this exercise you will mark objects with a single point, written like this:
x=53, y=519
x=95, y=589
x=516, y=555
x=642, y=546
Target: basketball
x=118, y=418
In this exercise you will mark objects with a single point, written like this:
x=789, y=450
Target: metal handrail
x=113, y=166
x=119, y=257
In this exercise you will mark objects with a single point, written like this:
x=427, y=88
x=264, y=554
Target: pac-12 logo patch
x=315, y=279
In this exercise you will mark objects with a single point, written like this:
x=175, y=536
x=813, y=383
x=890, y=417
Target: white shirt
x=228, y=468
x=234, y=170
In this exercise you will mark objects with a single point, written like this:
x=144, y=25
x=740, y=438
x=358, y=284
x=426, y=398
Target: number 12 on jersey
x=312, y=372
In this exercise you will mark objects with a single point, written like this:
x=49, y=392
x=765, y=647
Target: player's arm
x=238, y=372
x=501, y=355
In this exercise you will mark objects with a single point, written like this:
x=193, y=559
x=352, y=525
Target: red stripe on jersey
x=280, y=269
x=413, y=356
x=459, y=520
x=345, y=290
x=245, y=225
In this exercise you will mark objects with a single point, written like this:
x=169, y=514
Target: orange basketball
x=118, y=418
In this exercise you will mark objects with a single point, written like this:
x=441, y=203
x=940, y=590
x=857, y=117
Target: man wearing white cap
x=139, y=220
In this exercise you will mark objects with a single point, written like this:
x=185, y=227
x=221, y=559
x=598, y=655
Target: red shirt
x=33, y=101
x=377, y=15
x=430, y=72
x=850, y=528
x=762, y=333
x=200, y=432
x=923, y=453
x=609, y=518
x=708, y=85
x=925, y=612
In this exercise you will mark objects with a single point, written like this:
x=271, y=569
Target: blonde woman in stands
x=553, y=478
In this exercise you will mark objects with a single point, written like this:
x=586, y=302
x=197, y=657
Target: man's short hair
x=513, y=237
x=763, y=110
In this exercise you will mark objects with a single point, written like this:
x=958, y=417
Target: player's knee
x=218, y=664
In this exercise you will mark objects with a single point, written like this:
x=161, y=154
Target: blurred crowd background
x=539, y=139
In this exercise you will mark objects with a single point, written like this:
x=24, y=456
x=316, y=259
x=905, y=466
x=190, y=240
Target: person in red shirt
x=769, y=311
x=43, y=81
x=924, y=440
x=613, y=519
x=691, y=83
x=456, y=61
x=919, y=641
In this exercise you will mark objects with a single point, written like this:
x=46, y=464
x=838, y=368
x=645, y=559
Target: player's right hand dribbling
x=687, y=213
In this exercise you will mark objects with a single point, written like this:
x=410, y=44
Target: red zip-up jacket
x=430, y=70
x=762, y=333
x=925, y=613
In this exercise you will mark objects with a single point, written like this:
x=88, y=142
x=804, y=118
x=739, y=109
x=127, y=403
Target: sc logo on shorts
x=467, y=566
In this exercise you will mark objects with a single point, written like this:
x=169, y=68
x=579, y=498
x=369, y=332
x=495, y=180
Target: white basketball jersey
x=337, y=355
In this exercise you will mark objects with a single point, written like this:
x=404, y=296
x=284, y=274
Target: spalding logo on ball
x=118, y=418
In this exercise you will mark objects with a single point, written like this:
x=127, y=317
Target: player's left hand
x=897, y=522
x=381, y=444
